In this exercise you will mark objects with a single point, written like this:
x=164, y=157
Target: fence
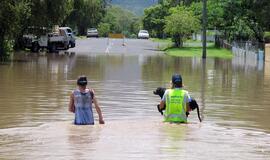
x=249, y=50
x=246, y=53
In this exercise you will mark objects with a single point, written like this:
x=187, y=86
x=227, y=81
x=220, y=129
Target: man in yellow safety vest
x=176, y=100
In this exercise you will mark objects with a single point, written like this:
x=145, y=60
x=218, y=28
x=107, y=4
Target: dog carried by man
x=177, y=111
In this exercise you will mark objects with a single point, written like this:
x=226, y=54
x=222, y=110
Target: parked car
x=143, y=34
x=92, y=32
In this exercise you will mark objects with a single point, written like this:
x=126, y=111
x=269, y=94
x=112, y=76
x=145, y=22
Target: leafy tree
x=261, y=9
x=121, y=21
x=174, y=3
x=104, y=29
x=154, y=19
x=215, y=13
x=135, y=6
x=46, y=13
x=241, y=21
x=86, y=14
x=180, y=24
x=12, y=14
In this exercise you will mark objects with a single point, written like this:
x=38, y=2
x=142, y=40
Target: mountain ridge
x=135, y=6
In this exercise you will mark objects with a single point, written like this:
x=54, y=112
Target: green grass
x=267, y=34
x=196, y=51
x=163, y=44
x=192, y=49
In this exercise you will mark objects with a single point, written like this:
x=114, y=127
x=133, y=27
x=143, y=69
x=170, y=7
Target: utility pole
x=204, y=17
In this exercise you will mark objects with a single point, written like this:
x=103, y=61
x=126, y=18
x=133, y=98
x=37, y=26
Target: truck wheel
x=52, y=48
x=67, y=47
x=72, y=45
x=35, y=47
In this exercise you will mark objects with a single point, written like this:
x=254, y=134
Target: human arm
x=163, y=101
x=101, y=121
x=161, y=105
x=71, y=106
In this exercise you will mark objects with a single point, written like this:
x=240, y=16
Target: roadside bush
x=8, y=46
x=104, y=29
x=133, y=36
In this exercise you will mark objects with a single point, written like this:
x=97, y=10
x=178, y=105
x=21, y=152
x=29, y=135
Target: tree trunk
x=178, y=40
x=19, y=43
x=81, y=30
x=2, y=50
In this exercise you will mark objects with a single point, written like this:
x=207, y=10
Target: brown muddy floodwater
x=35, y=123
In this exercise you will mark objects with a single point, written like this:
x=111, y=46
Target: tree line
x=234, y=19
x=16, y=16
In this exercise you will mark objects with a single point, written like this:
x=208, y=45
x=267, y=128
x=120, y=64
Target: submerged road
x=116, y=46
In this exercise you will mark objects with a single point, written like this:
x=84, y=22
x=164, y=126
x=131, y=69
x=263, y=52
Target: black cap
x=82, y=81
x=176, y=78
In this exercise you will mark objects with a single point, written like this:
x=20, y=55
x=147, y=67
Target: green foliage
x=215, y=13
x=86, y=14
x=154, y=19
x=12, y=14
x=241, y=21
x=180, y=24
x=121, y=21
x=135, y=6
x=47, y=13
x=241, y=29
x=104, y=29
x=235, y=19
x=8, y=46
x=266, y=34
x=17, y=16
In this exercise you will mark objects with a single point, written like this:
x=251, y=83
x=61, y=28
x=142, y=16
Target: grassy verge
x=192, y=49
x=167, y=40
x=163, y=44
x=197, y=52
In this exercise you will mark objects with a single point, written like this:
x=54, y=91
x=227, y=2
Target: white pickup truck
x=61, y=39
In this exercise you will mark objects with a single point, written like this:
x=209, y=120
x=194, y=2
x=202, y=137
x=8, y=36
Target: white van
x=72, y=39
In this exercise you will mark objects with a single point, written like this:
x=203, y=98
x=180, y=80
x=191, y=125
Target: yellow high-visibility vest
x=175, y=106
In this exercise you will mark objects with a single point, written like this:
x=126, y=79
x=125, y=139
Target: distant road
x=115, y=46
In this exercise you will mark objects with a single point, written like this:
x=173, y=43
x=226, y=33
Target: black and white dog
x=193, y=104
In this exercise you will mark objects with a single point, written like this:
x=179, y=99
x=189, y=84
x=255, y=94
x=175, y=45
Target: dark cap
x=82, y=81
x=176, y=78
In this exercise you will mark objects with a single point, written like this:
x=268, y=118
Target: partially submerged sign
x=116, y=35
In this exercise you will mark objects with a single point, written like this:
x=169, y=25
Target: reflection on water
x=34, y=121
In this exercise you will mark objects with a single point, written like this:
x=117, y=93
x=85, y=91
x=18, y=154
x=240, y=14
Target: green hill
x=135, y=6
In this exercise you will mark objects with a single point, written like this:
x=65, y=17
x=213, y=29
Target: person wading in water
x=80, y=104
x=177, y=102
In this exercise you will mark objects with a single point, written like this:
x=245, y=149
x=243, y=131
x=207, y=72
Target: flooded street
x=35, y=123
